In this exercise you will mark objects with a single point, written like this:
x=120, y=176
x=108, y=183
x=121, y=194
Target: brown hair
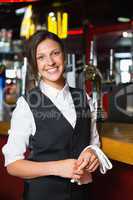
x=33, y=42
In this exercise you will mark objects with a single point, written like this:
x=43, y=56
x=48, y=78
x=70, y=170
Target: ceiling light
x=20, y=11
x=123, y=55
x=51, y=14
x=123, y=19
x=127, y=34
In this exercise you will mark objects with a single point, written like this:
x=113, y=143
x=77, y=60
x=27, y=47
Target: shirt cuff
x=105, y=163
x=9, y=158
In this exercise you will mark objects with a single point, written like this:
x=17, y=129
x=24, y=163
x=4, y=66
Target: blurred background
x=98, y=38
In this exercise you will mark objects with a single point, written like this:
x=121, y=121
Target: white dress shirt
x=23, y=124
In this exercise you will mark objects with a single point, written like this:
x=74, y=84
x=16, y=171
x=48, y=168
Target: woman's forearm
x=30, y=169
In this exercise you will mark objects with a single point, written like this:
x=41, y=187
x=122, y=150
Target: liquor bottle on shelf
x=5, y=40
x=93, y=74
x=111, y=77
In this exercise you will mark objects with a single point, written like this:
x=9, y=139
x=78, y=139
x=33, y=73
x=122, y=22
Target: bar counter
x=117, y=140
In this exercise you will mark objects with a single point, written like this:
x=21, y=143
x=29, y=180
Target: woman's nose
x=50, y=60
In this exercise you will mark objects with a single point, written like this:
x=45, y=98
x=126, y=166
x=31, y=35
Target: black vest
x=55, y=139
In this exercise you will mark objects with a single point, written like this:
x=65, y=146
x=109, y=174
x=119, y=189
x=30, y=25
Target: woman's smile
x=52, y=70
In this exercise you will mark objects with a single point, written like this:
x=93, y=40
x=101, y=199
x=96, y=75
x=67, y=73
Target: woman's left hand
x=88, y=160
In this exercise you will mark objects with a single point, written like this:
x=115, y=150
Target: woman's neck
x=57, y=84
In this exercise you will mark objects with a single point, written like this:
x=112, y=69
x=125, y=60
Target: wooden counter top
x=4, y=126
x=117, y=140
x=118, y=150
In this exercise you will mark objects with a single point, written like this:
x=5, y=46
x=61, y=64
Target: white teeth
x=52, y=70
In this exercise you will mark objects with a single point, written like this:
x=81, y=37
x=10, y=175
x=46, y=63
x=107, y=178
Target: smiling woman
x=57, y=123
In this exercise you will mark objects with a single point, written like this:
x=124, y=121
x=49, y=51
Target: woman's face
x=50, y=61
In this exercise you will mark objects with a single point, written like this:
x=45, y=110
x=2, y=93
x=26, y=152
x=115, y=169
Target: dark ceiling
x=98, y=12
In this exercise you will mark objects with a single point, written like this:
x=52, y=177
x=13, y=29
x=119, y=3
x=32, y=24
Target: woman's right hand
x=68, y=168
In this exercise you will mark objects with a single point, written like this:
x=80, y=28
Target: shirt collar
x=54, y=92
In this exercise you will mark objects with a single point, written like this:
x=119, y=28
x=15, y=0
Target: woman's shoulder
x=21, y=103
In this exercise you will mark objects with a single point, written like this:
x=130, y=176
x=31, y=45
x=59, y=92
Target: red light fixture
x=16, y=1
x=75, y=32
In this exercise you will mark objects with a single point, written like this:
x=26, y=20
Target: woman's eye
x=56, y=52
x=40, y=58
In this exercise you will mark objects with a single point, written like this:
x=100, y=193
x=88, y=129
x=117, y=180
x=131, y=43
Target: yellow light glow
x=27, y=27
x=54, y=24
x=64, y=25
x=49, y=24
x=59, y=24
x=32, y=29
